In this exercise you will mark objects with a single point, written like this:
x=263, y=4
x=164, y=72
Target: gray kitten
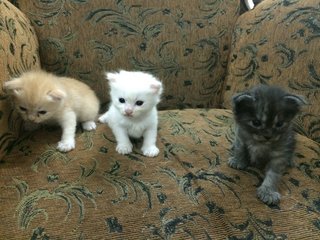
x=264, y=136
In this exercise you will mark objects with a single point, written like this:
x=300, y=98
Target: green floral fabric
x=278, y=43
x=18, y=53
x=187, y=192
x=184, y=43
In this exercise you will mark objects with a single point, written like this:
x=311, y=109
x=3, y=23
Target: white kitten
x=133, y=113
x=41, y=97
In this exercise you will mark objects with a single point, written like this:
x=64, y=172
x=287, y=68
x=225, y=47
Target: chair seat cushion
x=187, y=192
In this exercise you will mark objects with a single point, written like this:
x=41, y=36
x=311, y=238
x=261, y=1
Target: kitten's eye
x=256, y=123
x=279, y=124
x=139, y=103
x=122, y=100
x=23, y=109
x=42, y=112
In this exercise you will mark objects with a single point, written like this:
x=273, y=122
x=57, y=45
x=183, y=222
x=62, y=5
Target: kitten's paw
x=66, y=146
x=267, y=195
x=103, y=118
x=151, y=151
x=124, y=148
x=235, y=163
x=89, y=125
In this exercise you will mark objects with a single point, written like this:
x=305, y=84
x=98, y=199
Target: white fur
x=128, y=119
x=250, y=4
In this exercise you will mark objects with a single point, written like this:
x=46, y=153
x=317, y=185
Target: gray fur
x=264, y=136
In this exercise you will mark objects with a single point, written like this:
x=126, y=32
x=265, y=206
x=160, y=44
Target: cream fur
x=41, y=97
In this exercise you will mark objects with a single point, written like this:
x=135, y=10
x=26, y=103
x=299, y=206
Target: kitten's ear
x=56, y=95
x=242, y=101
x=294, y=103
x=112, y=77
x=294, y=99
x=14, y=86
x=156, y=88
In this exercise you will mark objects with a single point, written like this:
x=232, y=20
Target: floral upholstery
x=18, y=53
x=188, y=191
x=181, y=44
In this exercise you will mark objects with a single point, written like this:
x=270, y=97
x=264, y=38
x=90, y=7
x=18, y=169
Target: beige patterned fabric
x=278, y=44
x=18, y=53
x=188, y=191
x=184, y=43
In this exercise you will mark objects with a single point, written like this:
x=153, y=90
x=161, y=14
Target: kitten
x=41, y=97
x=133, y=113
x=264, y=135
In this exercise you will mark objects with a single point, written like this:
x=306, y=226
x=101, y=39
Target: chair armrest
x=18, y=53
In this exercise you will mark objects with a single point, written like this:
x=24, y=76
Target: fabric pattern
x=188, y=192
x=278, y=44
x=180, y=42
x=18, y=53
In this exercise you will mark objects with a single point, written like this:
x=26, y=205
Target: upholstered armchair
x=204, y=52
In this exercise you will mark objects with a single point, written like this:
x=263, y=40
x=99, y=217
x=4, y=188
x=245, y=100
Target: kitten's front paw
x=151, y=151
x=66, y=146
x=124, y=148
x=103, y=118
x=89, y=125
x=267, y=195
x=235, y=163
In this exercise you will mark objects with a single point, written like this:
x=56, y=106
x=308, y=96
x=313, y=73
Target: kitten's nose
x=31, y=118
x=267, y=134
x=128, y=111
x=267, y=137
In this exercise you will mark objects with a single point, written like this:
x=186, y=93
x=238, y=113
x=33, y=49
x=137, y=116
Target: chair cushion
x=187, y=192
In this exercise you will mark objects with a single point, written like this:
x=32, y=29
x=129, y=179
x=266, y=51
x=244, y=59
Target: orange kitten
x=41, y=97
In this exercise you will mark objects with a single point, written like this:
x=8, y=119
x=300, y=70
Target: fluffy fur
x=250, y=4
x=41, y=97
x=264, y=135
x=133, y=113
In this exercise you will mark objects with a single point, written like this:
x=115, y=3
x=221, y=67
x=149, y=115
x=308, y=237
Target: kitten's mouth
x=267, y=141
x=262, y=139
x=35, y=121
x=32, y=121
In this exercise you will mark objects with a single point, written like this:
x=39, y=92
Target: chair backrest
x=184, y=43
